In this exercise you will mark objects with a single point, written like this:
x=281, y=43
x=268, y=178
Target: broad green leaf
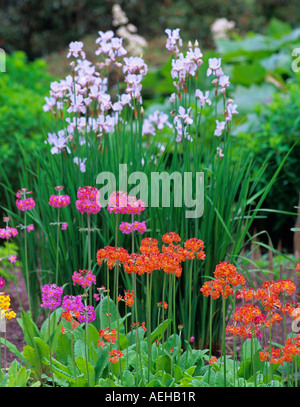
x=63, y=348
x=42, y=348
x=158, y=332
x=128, y=379
x=30, y=330
x=22, y=377
x=101, y=363
x=164, y=363
x=87, y=369
x=12, y=348
x=33, y=359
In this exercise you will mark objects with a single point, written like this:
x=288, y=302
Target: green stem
x=223, y=338
x=73, y=357
x=210, y=336
x=57, y=246
x=174, y=308
x=163, y=320
x=50, y=352
x=5, y=334
x=26, y=263
x=89, y=252
x=190, y=301
x=86, y=348
x=149, y=328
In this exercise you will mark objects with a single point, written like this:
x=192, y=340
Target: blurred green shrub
x=272, y=130
x=39, y=27
x=23, y=121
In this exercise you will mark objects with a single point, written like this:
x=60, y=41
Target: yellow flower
x=4, y=302
x=10, y=314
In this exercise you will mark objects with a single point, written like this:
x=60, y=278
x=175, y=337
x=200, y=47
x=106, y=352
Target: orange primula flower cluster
x=226, y=277
x=169, y=259
x=136, y=325
x=277, y=356
x=115, y=355
x=269, y=294
x=68, y=316
x=112, y=256
x=245, y=321
x=109, y=335
x=128, y=298
x=248, y=319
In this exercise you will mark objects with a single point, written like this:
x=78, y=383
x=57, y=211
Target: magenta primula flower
x=72, y=303
x=7, y=232
x=51, y=296
x=120, y=202
x=30, y=228
x=87, y=314
x=23, y=203
x=59, y=201
x=88, y=200
x=64, y=226
x=128, y=228
x=2, y=282
x=84, y=278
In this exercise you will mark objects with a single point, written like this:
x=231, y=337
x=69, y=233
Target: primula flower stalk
x=25, y=204
x=58, y=201
x=51, y=299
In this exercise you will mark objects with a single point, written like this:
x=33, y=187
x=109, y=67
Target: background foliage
x=40, y=27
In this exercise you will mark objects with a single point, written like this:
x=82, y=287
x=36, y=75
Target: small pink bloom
x=30, y=228
x=12, y=258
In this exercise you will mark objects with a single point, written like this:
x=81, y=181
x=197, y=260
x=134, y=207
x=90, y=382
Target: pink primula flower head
x=30, y=228
x=8, y=232
x=87, y=314
x=72, y=303
x=2, y=282
x=24, y=203
x=84, y=278
x=88, y=200
x=59, y=201
x=51, y=296
x=120, y=202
